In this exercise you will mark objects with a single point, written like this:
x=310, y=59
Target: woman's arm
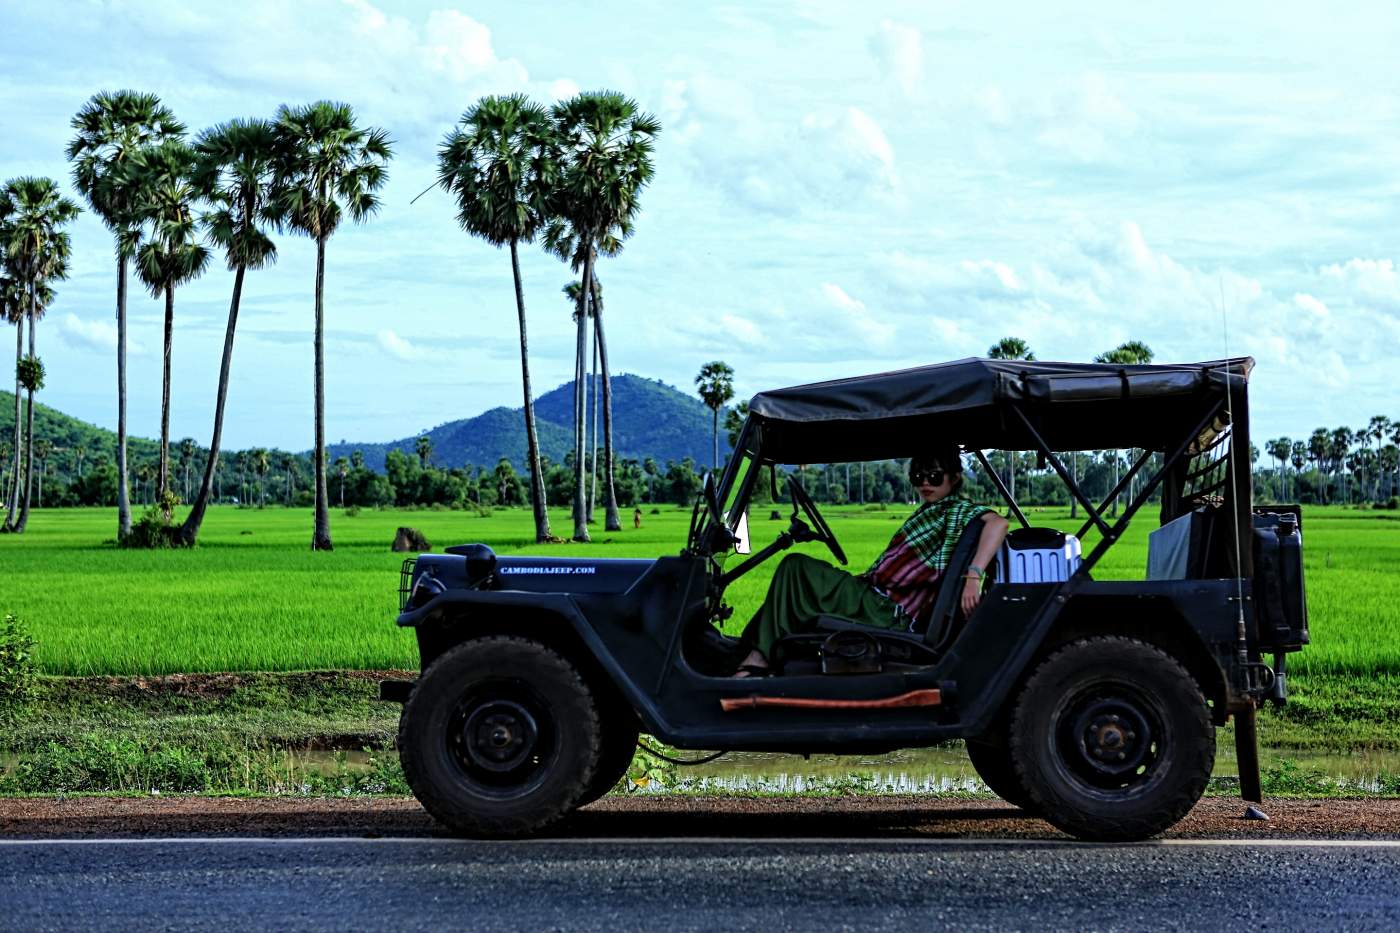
x=987, y=546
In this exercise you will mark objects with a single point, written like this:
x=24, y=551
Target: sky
x=840, y=188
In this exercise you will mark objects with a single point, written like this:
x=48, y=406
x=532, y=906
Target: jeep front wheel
x=500, y=737
x=1112, y=739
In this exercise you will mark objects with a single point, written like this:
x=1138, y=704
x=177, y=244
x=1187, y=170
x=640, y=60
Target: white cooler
x=1037, y=555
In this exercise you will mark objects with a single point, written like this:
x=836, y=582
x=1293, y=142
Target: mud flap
x=1247, y=753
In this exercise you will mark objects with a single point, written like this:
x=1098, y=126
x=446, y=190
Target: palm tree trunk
x=580, y=511
x=612, y=520
x=189, y=532
x=163, y=471
x=714, y=439
x=321, y=537
x=532, y=443
x=19, y=437
x=123, y=481
x=28, y=428
x=1074, y=473
x=593, y=419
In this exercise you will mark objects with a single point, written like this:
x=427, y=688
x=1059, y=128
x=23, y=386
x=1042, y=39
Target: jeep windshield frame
x=1194, y=415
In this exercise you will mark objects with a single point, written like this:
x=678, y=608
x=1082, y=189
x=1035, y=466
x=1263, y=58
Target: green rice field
x=253, y=597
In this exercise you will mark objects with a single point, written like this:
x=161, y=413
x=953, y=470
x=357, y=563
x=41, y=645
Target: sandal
x=752, y=670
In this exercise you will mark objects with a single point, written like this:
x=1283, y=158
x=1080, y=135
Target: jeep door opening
x=1092, y=703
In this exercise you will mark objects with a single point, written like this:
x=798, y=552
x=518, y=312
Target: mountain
x=650, y=419
x=67, y=434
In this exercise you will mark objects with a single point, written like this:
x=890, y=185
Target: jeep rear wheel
x=500, y=737
x=1112, y=739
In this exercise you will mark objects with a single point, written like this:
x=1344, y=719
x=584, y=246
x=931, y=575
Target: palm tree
x=498, y=164
x=1297, y=458
x=1280, y=448
x=12, y=304
x=261, y=463
x=327, y=167
x=170, y=257
x=1133, y=352
x=1338, y=445
x=1014, y=348
x=1376, y=430
x=188, y=448
x=14, y=297
x=716, y=385
x=605, y=161
x=1010, y=348
x=111, y=127
x=1318, y=444
x=32, y=211
x=235, y=168
x=43, y=449
x=80, y=453
x=342, y=469
x=586, y=385
x=423, y=447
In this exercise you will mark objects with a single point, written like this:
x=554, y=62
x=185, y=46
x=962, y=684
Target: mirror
x=741, y=535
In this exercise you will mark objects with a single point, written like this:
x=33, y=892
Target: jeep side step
x=929, y=697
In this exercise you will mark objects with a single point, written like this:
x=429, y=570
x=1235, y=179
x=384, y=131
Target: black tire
x=500, y=737
x=992, y=762
x=1112, y=739
x=619, y=747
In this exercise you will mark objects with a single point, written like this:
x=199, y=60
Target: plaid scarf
x=913, y=563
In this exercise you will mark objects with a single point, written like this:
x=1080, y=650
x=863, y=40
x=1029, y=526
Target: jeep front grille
x=406, y=582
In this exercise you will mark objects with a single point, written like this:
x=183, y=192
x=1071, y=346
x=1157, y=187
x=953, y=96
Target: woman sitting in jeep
x=900, y=587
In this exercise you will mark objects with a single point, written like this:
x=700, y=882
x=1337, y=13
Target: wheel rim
x=1110, y=738
x=502, y=739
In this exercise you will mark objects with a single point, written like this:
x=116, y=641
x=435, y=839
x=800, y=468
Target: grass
x=254, y=597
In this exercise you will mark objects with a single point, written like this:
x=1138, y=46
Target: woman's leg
x=804, y=588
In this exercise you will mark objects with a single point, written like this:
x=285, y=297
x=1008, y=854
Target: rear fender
x=1158, y=620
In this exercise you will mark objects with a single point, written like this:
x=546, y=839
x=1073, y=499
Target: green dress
x=898, y=587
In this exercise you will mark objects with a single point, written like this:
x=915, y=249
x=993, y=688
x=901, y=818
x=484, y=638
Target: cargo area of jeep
x=1092, y=703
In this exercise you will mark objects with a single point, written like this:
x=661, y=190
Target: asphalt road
x=696, y=883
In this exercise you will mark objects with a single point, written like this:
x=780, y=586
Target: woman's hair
x=943, y=457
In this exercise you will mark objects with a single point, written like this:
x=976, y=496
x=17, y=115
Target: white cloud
x=899, y=49
x=852, y=326
x=458, y=46
x=837, y=296
x=397, y=346
x=740, y=328
x=98, y=335
x=1313, y=306
x=563, y=89
x=1000, y=271
x=1375, y=279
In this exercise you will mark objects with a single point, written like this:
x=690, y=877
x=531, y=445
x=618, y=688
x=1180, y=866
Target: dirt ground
x=863, y=817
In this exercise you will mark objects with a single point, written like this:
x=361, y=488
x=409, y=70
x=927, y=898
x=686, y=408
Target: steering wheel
x=823, y=532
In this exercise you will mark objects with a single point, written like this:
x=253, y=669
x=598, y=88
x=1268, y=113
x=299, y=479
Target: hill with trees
x=650, y=419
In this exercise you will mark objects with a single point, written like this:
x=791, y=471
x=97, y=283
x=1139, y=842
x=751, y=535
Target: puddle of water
x=944, y=770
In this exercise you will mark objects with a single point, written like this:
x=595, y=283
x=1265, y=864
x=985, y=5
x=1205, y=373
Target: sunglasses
x=932, y=477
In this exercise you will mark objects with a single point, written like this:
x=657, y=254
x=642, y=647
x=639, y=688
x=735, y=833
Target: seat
x=926, y=640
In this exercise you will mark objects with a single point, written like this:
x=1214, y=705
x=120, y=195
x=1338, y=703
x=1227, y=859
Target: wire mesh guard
x=406, y=582
x=1208, y=474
